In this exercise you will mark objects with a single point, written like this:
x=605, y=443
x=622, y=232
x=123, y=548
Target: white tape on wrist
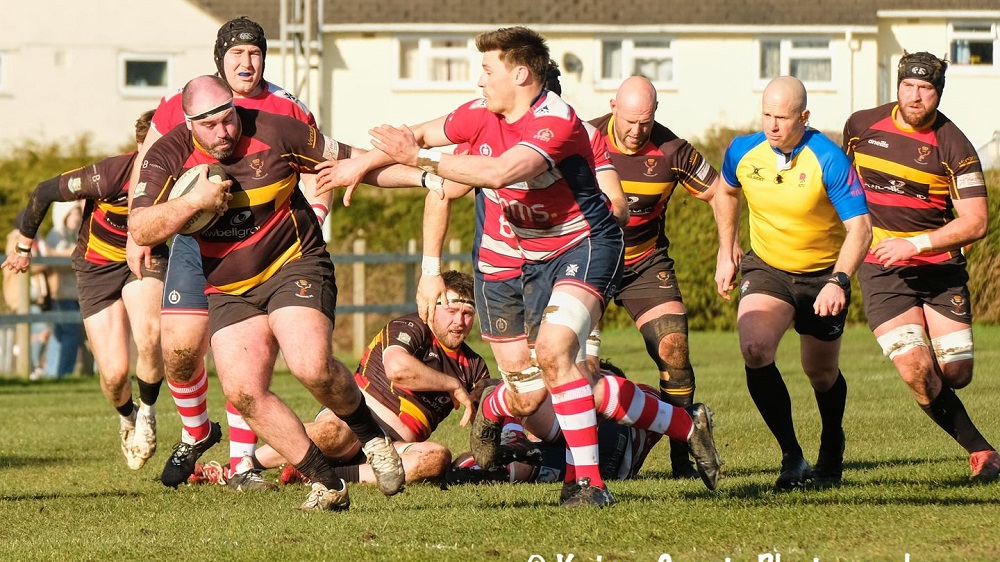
x=430, y=265
x=431, y=181
x=921, y=241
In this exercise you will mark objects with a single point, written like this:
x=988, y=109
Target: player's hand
x=137, y=256
x=430, y=290
x=891, y=250
x=16, y=262
x=830, y=301
x=336, y=173
x=460, y=399
x=210, y=196
x=399, y=143
x=725, y=274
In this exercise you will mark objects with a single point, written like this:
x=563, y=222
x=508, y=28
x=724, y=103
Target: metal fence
x=15, y=326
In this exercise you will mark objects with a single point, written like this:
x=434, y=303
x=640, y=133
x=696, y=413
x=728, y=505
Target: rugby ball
x=202, y=219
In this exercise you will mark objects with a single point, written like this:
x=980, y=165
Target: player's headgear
x=239, y=31
x=922, y=66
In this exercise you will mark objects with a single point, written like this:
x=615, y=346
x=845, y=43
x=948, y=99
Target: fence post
x=411, y=272
x=358, y=269
x=23, y=330
x=454, y=248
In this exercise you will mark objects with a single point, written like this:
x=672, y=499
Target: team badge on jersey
x=544, y=135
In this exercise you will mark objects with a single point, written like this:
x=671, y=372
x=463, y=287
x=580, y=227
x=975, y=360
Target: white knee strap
x=902, y=339
x=566, y=310
x=522, y=382
x=956, y=346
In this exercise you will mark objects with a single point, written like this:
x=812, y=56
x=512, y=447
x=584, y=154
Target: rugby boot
x=829, y=467
x=321, y=498
x=180, y=466
x=386, y=465
x=586, y=495
x=484, y=436
x=144, y=439
x=985, y=466
x=701, y=443
x=681, y=467
x=795, y=472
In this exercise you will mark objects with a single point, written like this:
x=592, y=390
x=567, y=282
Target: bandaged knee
x=566, y=310
x=522, y=382
x=956, y=346
x=901, y=339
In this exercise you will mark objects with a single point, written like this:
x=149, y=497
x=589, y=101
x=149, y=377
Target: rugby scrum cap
x=239, y=31
x=922, y=66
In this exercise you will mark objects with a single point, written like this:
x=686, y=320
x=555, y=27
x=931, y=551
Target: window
x=437, y=62
x=649, y=57
x=808, y=59
x=974, y=43
x=144, y=74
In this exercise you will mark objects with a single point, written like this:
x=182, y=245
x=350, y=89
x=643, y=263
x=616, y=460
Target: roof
x=590, y=12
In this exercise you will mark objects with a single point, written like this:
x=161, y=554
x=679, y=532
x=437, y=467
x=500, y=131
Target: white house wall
x=62, y=64
x=715, y=77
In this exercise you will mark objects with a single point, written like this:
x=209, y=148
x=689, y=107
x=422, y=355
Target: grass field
x=65, y=493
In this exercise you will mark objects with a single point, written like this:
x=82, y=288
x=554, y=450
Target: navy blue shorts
x=184, y=284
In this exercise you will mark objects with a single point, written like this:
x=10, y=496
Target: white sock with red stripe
x=573, y=403
x=242, y=439
x=190, y=399
x=625, y=403
x=495, y=406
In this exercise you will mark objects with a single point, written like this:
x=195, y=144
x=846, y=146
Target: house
x=358, y=64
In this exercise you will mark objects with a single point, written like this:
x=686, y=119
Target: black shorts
x=648, y=283
x=797, y=289
x=308, y=281
x=99, y=286
x=889, y=292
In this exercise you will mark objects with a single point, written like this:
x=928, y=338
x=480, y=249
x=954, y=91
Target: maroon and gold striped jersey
x=911, y=177
x=649, y=177
x=269, y=222
x=104, y=186
x=421, y=411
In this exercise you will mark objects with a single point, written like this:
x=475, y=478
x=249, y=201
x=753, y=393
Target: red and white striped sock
x=495, y=406
x=625, y=403
x=242, y=439
x=190, y=399
x=573, y=403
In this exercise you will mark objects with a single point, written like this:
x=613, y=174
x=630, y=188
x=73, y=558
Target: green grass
x=65, y=493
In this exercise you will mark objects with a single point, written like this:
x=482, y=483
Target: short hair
x=460, y=283
x=922, y=66
x=552, y=74
x=518, y=46
x=142, y=125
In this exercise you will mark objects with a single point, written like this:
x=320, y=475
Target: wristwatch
x=840, y=278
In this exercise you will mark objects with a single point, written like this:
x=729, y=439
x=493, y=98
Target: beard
x=918, y=118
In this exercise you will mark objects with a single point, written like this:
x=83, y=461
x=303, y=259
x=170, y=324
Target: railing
x=20, y=320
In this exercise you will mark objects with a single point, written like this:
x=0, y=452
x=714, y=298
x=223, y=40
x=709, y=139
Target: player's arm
x=611, y=185
x=135, y=254
x=518, y=163
x=352, y=172
x=28, y=221
x=967, y=227
x=407, y=371
x=437, y=213
x=832, y=298
x=725, y=202
x=155, y=223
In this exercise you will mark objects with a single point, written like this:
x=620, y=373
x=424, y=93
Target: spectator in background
x=38, y=299
x=64, y=343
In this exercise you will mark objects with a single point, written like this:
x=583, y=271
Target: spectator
x=64, y=343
